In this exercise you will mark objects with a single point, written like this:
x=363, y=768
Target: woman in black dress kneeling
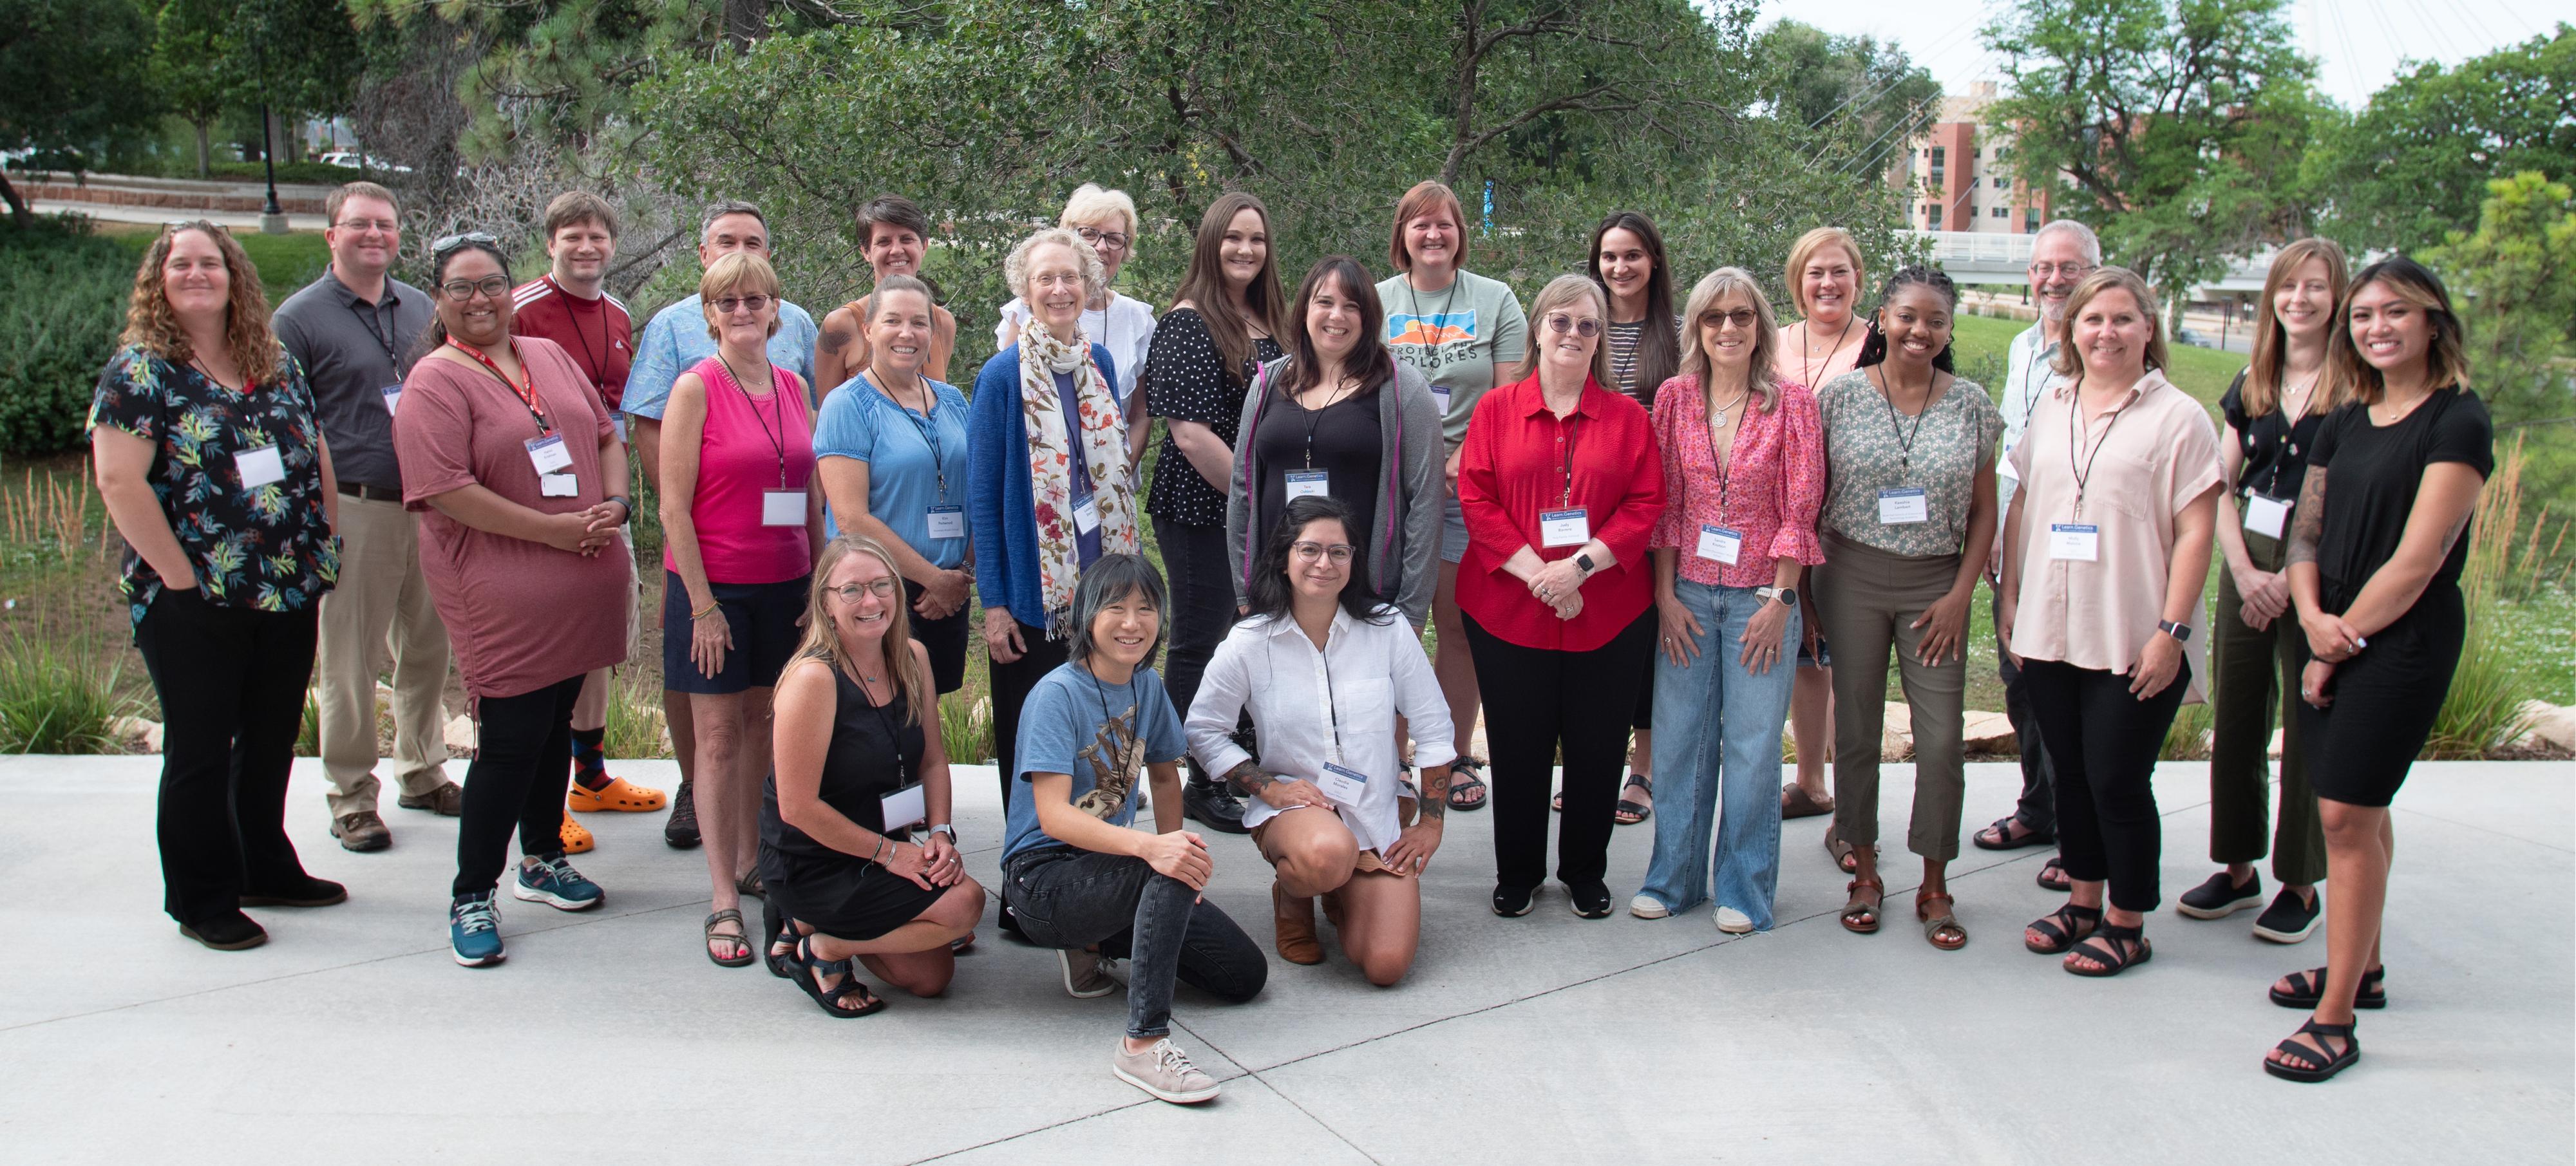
x=854, y=748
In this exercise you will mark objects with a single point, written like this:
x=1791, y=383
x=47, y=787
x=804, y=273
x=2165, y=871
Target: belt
x=370, y=493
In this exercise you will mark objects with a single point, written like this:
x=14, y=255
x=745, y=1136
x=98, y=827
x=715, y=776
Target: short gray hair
x=1015, y=270
x=728, y=206
x=1108, y=579
x=2085, y=239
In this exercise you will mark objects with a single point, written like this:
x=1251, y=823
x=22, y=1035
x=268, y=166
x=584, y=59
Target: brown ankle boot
x=1333, y=907
x=1294, y=918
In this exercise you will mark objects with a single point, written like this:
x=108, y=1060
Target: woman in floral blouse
x=1744, y=471
x=211, y=461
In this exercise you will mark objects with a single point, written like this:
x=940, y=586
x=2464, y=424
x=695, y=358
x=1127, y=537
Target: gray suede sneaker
x=1164, y=1071
x=1084, y=977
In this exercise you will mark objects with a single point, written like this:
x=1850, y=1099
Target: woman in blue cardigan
x=1052, y=488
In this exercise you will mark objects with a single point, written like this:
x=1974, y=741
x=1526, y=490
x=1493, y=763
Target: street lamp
x=272, y=218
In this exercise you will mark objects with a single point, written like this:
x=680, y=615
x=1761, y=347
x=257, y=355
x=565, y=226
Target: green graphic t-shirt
x=1455, y=336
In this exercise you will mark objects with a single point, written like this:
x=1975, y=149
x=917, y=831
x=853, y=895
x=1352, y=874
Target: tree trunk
x=205, y=159
x=744, y=22
x=18, y=210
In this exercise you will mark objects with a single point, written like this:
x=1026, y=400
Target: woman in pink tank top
x=740, y=526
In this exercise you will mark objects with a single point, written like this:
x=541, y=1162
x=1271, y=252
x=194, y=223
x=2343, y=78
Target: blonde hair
x=1762, y=375
x=151, y=325
x=1091, y=203
x=742, y=272
x=1804, y=250
x=823, y=638
x=2262, y=391
x=2070, y=356
x=1559, y=292
x=1015, y=268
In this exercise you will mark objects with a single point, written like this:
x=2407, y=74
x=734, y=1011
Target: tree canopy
x=71, y=75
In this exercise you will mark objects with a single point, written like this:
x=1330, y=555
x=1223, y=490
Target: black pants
x=945, y=639
x=231, y=682
x=2037, y=808
x=1012, y=684
x=1196, y=570
x=522, y=755
x=1067, y=898
x=1540, y=704
x=2103, y=744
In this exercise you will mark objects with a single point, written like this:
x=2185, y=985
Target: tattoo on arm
x=836, y=339
x=2310, y=524
x=2453, y=539
x=1250, y=778
x=1435, y=796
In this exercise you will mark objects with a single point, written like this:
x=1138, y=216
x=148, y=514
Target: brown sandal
x=1796, y=802
x=1845, y=854
x=1860, y=912
x=1940, y=927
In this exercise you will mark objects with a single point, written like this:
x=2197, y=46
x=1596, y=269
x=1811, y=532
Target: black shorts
x=944, y=638
x=2386, y=699
x=763, y=618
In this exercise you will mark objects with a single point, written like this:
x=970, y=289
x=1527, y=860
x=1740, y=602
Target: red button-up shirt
x=1513, y=466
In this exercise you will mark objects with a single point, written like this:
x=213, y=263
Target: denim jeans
x=1067, y=898
x=1717, y=728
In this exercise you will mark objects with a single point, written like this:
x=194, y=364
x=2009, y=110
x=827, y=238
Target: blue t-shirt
x=908, y=457
x=677, y=340
x=1102, y=734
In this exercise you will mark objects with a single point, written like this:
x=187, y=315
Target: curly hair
x=1015, y=267
x=151, y=324
x=1873, y=350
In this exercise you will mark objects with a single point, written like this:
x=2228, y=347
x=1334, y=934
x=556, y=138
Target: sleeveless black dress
x=874, y=751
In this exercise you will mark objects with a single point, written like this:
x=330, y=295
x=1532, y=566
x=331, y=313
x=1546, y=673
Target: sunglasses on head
x=450, y=243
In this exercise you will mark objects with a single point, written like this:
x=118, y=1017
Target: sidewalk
x=608, y=1037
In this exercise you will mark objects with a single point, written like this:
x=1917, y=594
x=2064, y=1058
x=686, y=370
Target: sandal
x=830, y=1000
x=1630, y=813
x=1940, y=926
x=2327, y=1061
x=735, y=937
x=2052, y=876
x=776, y=927
x=750, y=884
x=2002, y=835
x=2063, y=928
x=2114, y=947
x=2308, y=989
x=1845, y=854
x=1796, y=802
x=1860, y=912
x=1466, y=789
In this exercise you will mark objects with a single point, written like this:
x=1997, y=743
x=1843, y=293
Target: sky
x=2359, y=43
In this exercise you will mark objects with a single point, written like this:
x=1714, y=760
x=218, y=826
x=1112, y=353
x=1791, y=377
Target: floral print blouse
x=1772, y=487
x=1871, y=447
x=267, y=547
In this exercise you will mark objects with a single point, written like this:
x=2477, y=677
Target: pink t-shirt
x=521, y=614
x=750, y=447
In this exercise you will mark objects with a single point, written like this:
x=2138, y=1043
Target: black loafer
x=232, y=932
x=1513, y=901
x=312, y=892
x=1591, y=900
x=2220, y=897
x=2290, y=918
x=1213, y=806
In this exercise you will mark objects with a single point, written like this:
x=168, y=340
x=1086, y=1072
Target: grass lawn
x=285, y=262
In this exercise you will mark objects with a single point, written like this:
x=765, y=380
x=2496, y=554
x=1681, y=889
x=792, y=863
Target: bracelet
x=706, y=611
x=878, y=858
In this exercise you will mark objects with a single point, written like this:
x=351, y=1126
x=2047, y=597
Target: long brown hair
x=1204, y=286
x=1659, y=349
x=2446, y=361
x=823, y=639
x=1368, y=362
x=2262, y=391
x=151, y=324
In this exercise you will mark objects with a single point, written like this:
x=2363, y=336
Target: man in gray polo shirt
x=353, y=330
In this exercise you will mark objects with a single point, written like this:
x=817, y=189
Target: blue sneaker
x=550, y=880
x=474, y=930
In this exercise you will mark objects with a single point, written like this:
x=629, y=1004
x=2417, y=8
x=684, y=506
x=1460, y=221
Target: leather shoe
x=362, y=831
x=232, y=932
x=447, y=801
x=681, y=829
x=1213, y=806
x=310, y=892
x=1293, y=917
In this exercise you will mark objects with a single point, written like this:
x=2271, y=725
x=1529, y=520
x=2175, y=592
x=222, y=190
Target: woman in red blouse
x=1744, y=474
x=1561, y=483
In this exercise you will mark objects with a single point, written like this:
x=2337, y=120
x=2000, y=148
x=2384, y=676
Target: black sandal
x=830, y=999
x=736, y=936
x=2116, y=948
x=2000, y=836
x=1630, y=813
x=774, y=926
x=2308, y=989
x=1463, y=780
x=2064, y=927
x=2052, y=876
x=2328, y=1061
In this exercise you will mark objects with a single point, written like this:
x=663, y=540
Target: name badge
x=558, y=485
x=549, y=453
x=2071, y=540
x=903, y=807
x=1901, y=506
x=1564, y=528
x=1308, y=484
x=259, y=466
x=1719, y=543
x=1344, y=786
x=393, y=397
x=1086, y=514
x=2266, y=515
x=782, y=508
x=947, y=522
x=1440, y=397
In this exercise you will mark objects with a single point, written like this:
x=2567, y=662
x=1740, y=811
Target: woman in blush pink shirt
x=1824, y=279
x=2105, y=554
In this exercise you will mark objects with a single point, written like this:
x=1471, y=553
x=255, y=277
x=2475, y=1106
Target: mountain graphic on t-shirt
x=1431, y=329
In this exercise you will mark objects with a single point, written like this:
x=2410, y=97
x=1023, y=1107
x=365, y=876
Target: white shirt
x=1124, y=329
x=2028, y=377
x=1311, y=707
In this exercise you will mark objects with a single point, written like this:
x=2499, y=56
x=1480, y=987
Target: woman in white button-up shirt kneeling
x=1325, y=667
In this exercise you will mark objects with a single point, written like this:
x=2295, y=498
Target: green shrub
x=62, y=301
x=634, y=719
x=966, y=727
x=2484, y=708
x=56, y=699
x=2187, y=739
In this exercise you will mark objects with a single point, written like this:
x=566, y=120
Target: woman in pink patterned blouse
x=1744, y=473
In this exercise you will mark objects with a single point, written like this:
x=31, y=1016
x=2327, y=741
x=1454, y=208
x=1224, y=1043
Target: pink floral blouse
x=1773, y=485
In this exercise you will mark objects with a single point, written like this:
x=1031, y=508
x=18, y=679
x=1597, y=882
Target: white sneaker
x=1646, y=907
x=1164, y=1071
x=1733, y=922
x=1083, y=977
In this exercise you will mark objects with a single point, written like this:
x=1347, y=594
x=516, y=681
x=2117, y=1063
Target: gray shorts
x=1453, y=531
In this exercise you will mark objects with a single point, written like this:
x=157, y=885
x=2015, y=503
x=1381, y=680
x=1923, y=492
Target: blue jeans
x=1717, y=727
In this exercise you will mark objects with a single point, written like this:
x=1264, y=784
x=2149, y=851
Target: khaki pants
x=380, y=607
x=1865, y=597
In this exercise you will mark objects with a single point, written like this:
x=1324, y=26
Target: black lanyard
x=1314, y=416
x=1905, y=438
x=777, y=409
x=2075, y=440
x=598, y=369
x=885, y=716
x=1413, y=299
x=927, y=425
x=2029, y=374
x=1725, y=473
x=373, y=319
x=1134, y=725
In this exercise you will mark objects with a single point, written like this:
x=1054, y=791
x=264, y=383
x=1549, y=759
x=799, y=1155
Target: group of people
x=1644, y=528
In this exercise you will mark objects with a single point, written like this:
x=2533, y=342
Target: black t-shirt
x=1347, y=445
x=1186, y=380
x=2375, y=473
x=2275, y=450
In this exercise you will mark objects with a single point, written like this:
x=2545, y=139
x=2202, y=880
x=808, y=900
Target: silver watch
x=944, y=828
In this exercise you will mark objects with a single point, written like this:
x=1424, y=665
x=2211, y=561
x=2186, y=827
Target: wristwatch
x=1583, y=563
x=2179, y=631
x=944, y=828
x=1788, y=596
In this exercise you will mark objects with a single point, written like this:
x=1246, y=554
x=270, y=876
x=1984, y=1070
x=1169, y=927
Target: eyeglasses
x=1308, y=552
x=756, y=303
x=448, y=243
x=882, y=589
x=1117, y=239
x=1560, y=323
x=461, y=290
x=2069, y=270
x=209, y=226
x=1740, y=317
x=369, y=225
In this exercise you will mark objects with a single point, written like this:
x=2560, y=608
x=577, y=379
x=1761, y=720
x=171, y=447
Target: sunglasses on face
x=1560, y=323
x=1309, y=552
x=1740, y=317
x=461, y=290
x=756, y=303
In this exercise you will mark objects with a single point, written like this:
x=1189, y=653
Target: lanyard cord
x=1905, y=438
x=1568, y=422
x=2029, y=373
x=885, y=716
x=1332, y=707
x=1315, y=415
x=1725, y=473
x=527, y=394
x=927, y=425
x=598, y=362
x=1106, y=717
x=2075, y=440
x=1807, y=336
x=777, y=409
x=374, y=321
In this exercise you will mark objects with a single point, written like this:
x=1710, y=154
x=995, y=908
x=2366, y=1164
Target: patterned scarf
x=1104, y=453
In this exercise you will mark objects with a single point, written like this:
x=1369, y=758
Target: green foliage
x=634, y=718
x=71, y=76
x=2187, y=738
x=62, y=302
x=2483, y=709
x=1861, y=98
x=966, y=727
x=2516, y=279
x=2414, y=165
x=57, y=698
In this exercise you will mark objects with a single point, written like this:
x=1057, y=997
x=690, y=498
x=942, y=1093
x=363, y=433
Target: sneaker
x=2221, y=896
x=1648, y=907
x=1214, y=807
x=1591, y=900
x=233, y=932
x=362, y=831
x=2289, y=919
x=576, y=838
x=474, y=930
x=619, y=795
x=681, y=831
x=1512, y=902
x=310, y=892
x=551, y=880
x=1164, y=1071
x=447, y=801
x=1084, y=977
x=1734, y=922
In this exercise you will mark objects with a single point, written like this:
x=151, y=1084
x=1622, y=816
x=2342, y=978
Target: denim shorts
x=1453, y=531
